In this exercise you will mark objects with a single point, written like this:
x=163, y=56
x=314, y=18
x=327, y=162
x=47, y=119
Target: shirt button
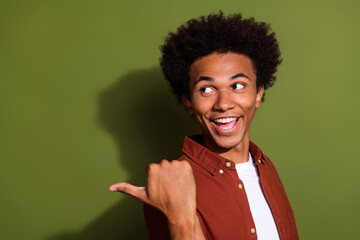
x=221, y=171
x=252, y=230
x=259, y=161
x=240, y=186
x=228, y=164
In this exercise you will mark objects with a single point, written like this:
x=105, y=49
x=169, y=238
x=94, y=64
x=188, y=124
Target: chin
x=227, y=142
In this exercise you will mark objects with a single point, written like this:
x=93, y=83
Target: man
x=223, y=187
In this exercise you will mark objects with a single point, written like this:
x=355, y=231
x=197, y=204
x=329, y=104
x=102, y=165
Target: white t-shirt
x=260, y=210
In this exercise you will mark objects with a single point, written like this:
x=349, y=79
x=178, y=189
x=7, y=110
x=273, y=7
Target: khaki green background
x=83, y=104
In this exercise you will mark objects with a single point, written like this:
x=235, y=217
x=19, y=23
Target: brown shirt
x=222, y=204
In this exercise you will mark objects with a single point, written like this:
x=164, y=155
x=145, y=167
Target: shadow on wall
x=141, y=114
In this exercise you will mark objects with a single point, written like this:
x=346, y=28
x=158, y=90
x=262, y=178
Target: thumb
x=127, y=188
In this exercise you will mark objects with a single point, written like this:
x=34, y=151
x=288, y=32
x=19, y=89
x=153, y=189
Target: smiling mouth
x=226, y=123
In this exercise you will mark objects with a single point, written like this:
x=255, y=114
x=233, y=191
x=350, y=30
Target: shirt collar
x=211, y=161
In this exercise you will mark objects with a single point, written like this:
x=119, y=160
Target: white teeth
x=225, y=120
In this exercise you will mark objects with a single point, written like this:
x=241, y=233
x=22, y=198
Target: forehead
x=222, y=64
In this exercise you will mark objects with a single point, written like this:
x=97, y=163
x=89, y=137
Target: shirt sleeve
x=156, y=223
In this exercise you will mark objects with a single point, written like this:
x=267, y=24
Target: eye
x=206, y=89
x=238, y=86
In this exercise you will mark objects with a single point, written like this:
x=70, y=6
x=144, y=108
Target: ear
x=187, y=103
x=259, y=95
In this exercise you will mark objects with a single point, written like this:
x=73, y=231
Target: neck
x=237, y=154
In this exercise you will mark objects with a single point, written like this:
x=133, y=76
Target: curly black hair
x=218, y=33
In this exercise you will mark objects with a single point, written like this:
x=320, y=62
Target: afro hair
x=218, y=33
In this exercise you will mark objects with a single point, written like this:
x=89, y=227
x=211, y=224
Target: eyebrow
x=239, y=75
x=210, y=79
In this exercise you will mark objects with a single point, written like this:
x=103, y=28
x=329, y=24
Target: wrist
x=183, y=227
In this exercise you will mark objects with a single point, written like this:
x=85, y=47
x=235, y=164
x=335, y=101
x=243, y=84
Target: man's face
x=223, y=98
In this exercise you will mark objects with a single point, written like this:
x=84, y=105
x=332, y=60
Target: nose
x=224, y=101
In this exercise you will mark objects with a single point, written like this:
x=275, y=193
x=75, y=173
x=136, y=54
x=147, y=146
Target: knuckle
x=185, y=164
x=151, y=166
x=125, y=188
x=164, y=162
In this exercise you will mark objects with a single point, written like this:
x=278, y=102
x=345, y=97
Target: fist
x=170, y=188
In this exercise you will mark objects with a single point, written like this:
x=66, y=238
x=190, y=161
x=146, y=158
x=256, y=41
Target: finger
x=137, y=192
x=150, y=166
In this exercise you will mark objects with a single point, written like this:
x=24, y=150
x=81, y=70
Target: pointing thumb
x=137, y=192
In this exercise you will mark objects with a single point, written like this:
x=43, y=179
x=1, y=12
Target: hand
x=170, y=188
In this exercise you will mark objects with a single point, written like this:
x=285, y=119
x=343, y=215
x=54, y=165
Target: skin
x=222, y=86
x=171, y=189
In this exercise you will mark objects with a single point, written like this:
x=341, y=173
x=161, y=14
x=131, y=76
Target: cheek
x=246, y=102
x=202, y=105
